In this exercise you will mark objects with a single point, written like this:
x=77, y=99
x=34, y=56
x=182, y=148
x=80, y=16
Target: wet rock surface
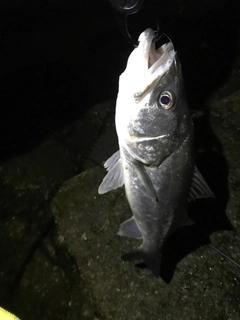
x=30, y=249
x=203, y=284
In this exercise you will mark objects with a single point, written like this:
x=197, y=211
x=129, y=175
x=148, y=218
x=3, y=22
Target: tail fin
x=151, y=259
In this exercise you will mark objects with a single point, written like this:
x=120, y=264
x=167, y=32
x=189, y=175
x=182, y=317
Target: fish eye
x=166, y=99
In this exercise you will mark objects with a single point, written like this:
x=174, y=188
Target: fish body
x=156, y=159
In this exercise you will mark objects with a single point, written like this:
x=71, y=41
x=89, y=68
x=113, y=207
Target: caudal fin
x=152, y=259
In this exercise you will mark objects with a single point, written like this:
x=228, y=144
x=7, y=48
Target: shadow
x=208, y=217
x=16, y=279
x=210, y=159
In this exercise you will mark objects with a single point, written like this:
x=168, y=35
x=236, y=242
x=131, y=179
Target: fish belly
x=157, y=217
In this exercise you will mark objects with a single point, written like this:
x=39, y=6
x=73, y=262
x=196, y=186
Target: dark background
x=60, y=57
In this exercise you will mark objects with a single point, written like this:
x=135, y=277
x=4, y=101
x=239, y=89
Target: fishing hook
x=135, y=42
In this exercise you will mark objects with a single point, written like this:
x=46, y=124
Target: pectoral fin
x=109, y=164
x=199, y=188
x=114, y=178
x=145, y=179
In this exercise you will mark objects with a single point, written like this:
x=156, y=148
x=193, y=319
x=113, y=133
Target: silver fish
x=156, y=160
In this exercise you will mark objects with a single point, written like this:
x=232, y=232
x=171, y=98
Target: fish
x=155, y=161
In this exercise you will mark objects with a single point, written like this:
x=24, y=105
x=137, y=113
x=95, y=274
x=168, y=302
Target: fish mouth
x=160, y=58
x=145, y=66
x=154, y=63
x=155, y=58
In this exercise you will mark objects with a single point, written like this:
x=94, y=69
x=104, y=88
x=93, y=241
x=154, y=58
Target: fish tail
x=151, y=259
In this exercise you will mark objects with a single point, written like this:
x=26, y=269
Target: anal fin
x=130, y=229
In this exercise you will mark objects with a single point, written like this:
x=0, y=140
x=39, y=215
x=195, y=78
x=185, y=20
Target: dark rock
x=203, y=285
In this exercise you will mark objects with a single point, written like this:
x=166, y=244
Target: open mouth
x=156, y=63
x=155, y=58
x=160, y=57
x=146, y=65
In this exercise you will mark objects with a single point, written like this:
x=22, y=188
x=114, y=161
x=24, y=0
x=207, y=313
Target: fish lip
x=153, y=57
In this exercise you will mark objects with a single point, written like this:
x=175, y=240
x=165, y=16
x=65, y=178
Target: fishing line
x=224, y=255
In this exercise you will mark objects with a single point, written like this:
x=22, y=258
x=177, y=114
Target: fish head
x=152, y=115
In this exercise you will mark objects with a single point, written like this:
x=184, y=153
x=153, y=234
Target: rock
x=28, y=183
x=202, y=285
